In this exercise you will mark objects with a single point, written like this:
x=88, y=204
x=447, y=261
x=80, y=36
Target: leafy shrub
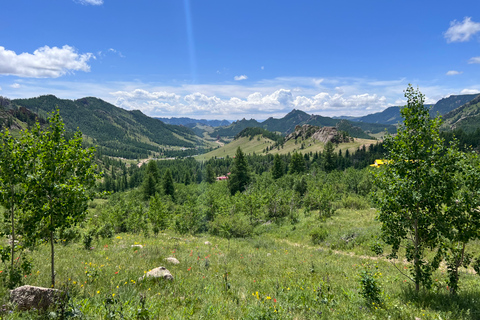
x=354, y=202
x=370, y=287
x=231, y=226
x=69, y=235
x=106, y=231
x=87, y=238
x=319, y=234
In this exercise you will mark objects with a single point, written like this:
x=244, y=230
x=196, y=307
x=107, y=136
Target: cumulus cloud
x=469, y=91
x=453, y=72
x=45, y=62
x=240, y=78
x=462, y=31
x=15, y=86
x=279, y=101
x=474, y=60
x=91, y=2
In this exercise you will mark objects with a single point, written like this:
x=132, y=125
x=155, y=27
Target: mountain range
x=392, y=115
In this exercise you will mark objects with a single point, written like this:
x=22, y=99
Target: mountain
x=466, y=117
x=392, y=115
x=288, y=123
x=118, y=132
x=446, y=105
x=189, y=122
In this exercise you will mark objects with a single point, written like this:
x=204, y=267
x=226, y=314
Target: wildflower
x=116, y=272
x=113, y=294
x=274, y=300
x=98, y=291
x=269, y=298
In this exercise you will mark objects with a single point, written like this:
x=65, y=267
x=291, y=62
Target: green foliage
x=167, y=183
x=297, y=164
x=236, y=225
x=318, y=235
x=370, y=287
x=425, y=192
x=278, y=167
x=158, y=214
x=240, y=175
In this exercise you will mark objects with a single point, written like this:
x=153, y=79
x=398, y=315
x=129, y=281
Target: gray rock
x=29, y=297
x=139, y=246
x=158, y=273
x=172, y=260
x=207, y=243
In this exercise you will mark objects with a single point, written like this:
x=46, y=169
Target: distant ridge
x=295, y=117
x=189, y=122
x=466, y=118
x=392, y=116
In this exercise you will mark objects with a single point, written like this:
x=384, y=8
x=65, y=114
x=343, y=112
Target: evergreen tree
x=239, y=177
x=168, y=186
x=329, y=157
x=297, y=164
x=277, y=169
x=210, y=176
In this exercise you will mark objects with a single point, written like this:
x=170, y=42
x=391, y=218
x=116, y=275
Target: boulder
x=158, y=273
x=139, y=246
x=29, y=297
x=207, y=243
x=172, y=260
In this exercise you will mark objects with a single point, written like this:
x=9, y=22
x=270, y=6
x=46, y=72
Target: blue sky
x=233, y=59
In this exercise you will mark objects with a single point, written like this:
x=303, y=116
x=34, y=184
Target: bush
x=88, y=238
x=319, y=234
x=354, y=202
x=370, y=286
x=231, y=226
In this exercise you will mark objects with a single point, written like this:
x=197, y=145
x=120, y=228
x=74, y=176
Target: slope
x=128, y=134
x=467, y=117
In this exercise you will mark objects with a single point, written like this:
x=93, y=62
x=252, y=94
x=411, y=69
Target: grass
x=277, y=275
x=258, y=144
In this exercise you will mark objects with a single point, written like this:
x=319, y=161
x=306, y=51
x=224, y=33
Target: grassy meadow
x=280, y=274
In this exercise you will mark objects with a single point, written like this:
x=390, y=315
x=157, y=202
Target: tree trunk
x=12, y=207
x=416, y=260
x=52, y=251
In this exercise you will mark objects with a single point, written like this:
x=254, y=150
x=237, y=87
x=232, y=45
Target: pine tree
x=239, y=177
x=297, y=164
x=277, y=169
x=168, y=186
x=210, y=176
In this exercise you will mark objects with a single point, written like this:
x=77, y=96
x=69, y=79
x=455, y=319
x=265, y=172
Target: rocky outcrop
x=29, y=297
x=322, y=134
x=172, y=260
x=157, y=273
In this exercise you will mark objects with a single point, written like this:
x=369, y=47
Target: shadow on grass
x=464, y=305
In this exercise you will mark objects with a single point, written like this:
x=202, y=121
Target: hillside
x=467, y=117
x=302, y=140
x=294, y=118
x=118, y=132
x=189, y=122
x=392, y=116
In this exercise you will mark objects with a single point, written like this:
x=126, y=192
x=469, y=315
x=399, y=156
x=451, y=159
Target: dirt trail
x=443, y=266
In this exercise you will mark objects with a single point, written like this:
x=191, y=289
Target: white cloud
x=240, y=78
x=92, y=2
x=474, y=60
x=453, y=72
x=45, y=62
x=469, y=91
x=262, y=67
x=462, y=31
x=15, y=86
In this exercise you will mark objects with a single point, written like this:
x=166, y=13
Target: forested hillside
x=117, y=132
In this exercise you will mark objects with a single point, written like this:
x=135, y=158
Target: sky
x=234, y=59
